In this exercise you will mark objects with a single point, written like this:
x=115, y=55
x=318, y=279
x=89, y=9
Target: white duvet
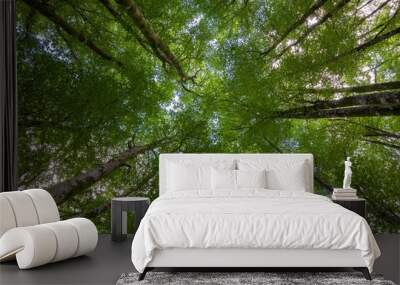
x=250, y=219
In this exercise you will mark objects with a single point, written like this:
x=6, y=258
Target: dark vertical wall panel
x=8, y=97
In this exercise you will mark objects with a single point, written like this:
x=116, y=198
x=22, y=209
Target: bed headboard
x=212, y=158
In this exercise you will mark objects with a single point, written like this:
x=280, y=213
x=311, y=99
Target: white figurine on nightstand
x=347, y=174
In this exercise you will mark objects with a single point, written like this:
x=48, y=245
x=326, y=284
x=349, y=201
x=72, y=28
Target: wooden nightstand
x=358, y=206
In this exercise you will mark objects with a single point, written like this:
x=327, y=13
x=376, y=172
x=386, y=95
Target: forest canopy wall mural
x=104, y=86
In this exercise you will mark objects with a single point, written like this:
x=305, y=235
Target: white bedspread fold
x=250, y=219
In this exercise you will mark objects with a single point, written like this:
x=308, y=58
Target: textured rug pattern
x=244, y=278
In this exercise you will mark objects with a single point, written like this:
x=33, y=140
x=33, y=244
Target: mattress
x=250, y=219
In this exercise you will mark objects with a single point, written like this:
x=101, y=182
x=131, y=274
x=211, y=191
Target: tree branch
x=379, y=98
x=118, y=17
x=49, y=12
x=383, y=26
x=356, y=111
x=295, y=25
x=65, y=189
x=161, y=49
x=387, y=144
x=107, y=205
x=305, y=34
x=367, y=44
x=373, y=131
x=377, y=9
x=357, y=89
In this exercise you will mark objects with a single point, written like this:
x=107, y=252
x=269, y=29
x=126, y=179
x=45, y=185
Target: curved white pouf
x=37, y=245
x=32, y=246
x=31, y=233
x=87, y=235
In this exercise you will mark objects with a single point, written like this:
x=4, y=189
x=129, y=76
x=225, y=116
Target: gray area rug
x=236, y=278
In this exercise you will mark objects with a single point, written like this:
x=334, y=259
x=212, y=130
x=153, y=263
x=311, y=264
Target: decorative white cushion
x=286, y=174
x=251, y=178
x=293, y=180
x=189, y=177
x=223, y=179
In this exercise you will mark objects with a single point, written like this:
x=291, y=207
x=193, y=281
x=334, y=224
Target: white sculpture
x=347, y=174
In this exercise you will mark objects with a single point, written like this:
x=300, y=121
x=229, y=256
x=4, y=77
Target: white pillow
x=188, y=177
x=223, y=179
x=285, y=174
x=251, y=178
x=293, y=180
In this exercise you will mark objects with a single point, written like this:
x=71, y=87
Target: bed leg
x=143, y=274
x=364, y=271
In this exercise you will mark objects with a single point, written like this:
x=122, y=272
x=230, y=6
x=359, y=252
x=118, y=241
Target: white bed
x=249, y=227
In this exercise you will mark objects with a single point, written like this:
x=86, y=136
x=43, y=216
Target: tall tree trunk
x=118, y=17
x=63, y=190
x=305, y=34
x=375, y=40
x=371, y=131
x=381, y=98
x=382, y=27
x=355, y=111
x=383, y=134
x=295, y=25
x=160, y=48
x=143, y=42
x=106, y=206
x=358, y=89
x=367, y=44
x=373, y=12
x=387, y=144
x=363, y=5
x=49, y=12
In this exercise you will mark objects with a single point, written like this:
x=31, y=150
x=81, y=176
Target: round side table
x=119, y=208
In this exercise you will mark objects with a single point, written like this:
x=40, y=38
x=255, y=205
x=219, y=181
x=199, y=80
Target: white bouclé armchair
x=31, y=231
